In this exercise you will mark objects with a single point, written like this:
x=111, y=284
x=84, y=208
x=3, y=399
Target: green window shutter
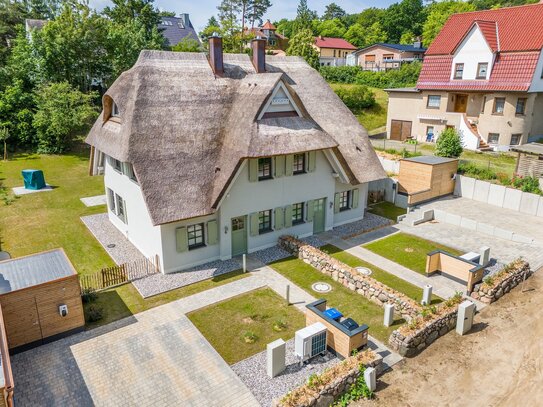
x=289, y=164
x=279, y=221
x=181, y=239
x=279, y=168
x=254, y=223
x=311, y=161
x=336, y=202
x=212, y=232
x=288, y=216
x=253, y=169
x=310, y=210
x=355, y=198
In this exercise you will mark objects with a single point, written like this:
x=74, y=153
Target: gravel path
x=160, y=283
x=252, y=372
x=370, y=222
x=107, y=234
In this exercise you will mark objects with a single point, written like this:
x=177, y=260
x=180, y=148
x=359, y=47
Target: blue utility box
x=33, y=179
x=333, y=313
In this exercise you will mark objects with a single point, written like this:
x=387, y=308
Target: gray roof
x=175, y=29
x=430, y=159
x=397, y=47
x=28, y=271
x=187, y=131
x=530, y=148
x=403, y=90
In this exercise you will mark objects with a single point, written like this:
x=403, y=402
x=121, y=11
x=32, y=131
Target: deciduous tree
x=301, y=44
x=438, y=14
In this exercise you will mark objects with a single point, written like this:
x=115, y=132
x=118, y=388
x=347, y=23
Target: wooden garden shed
x=40, y=298
x=529, y=160
x=426, y=177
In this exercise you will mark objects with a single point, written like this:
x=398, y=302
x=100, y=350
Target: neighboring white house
x=206, y=160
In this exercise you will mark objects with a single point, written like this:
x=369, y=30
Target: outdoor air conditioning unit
x=310, y=341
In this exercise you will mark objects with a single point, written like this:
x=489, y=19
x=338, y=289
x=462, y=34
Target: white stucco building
x=209, y=159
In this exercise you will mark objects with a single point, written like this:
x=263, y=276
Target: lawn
x=387, y=210
x=48, y=220
x=124, y=301
x=373, y=119
x=226, y=324
x=408, y=250
x=351, y=304
x=390, y=280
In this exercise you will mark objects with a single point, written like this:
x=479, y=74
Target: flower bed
x=350, y=278
x=323, y=389
x=495, y=286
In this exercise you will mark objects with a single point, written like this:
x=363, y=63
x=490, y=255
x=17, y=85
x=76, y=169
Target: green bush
x=527, y=184
x=88, y=295
x=406, y=76
x=94, y=313
x=471, y=170
x=449, y=144
x=357, y=391
x=356, y=97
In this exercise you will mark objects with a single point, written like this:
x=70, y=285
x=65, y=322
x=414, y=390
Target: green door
x=239, y=236
x=319, y=215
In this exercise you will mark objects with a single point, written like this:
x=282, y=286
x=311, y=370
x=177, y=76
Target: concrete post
x=244, y=261
x=427, y=295
x=389, y=315
x=288, y=294
x=370, y=377
x=485, y=255
x=464, y=322
x=276, y=354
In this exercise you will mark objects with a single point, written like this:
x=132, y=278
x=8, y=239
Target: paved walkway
x=94, y=200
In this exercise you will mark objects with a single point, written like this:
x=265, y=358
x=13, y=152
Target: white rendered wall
x=537, y=81
x=138, y=229
x=472, y=51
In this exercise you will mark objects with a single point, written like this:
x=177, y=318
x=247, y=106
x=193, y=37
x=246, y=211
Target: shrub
x=88, y=295
x=358, y=390
x=314, y=381
x=340, y=74
x=356, y=97
x=94, y=313
x=527, y=184
x=449, y=144
x=472, y=170
x=279, y=326
x=250, y=337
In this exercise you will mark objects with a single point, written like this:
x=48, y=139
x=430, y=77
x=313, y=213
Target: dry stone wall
x=350, y=278
x=512, y=275
x=411, y=344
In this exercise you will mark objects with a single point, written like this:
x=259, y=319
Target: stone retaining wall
x=324, y=396
x=512, y=276
x=350, y=278
x=413, y=343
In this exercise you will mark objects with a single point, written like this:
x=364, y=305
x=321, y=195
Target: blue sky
x=201, y=10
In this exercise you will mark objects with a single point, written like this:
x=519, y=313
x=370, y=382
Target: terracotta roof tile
x=519, y=29
x=329, y=42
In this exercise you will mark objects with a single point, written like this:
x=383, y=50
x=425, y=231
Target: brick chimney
x=215, y=54
x=259, y=54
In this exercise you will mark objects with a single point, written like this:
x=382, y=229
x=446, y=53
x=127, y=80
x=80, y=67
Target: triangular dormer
x=280, y=104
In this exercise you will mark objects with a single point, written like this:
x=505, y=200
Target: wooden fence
x=117, y=275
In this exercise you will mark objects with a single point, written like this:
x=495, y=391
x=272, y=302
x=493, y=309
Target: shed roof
x=186, y=131
x=530, y=148
x=430, y=159
x=28, y=271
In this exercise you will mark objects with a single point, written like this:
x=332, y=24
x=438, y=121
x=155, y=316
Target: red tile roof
x=329, y=42
x=268, y=26
x=510, y=72
x=519, y=29
x=490, y=32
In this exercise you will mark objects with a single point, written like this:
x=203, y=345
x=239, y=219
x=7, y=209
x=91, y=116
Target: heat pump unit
x=310, y=341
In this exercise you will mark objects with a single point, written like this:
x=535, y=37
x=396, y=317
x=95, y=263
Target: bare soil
x=499, y=363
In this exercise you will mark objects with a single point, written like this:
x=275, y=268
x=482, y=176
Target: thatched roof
x=186, y=131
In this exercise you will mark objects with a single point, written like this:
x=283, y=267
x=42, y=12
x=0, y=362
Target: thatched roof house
x=186, y=125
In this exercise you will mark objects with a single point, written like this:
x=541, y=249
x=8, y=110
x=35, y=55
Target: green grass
x=351, y=304
x=408, y=250
x=387, y=210
x=124, y=301
x=48, y=220
x=390, y=280
x=224, y=324
x=373, y=119
x=500, y=163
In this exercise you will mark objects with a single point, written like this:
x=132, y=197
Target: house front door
x=239, y=236
x=319, y=215
x=461, y=103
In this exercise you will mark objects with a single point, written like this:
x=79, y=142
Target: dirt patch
x=498, y=364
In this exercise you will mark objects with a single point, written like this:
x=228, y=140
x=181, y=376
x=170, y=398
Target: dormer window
x=482, y=69
x=458, y=71
x=115, y=110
